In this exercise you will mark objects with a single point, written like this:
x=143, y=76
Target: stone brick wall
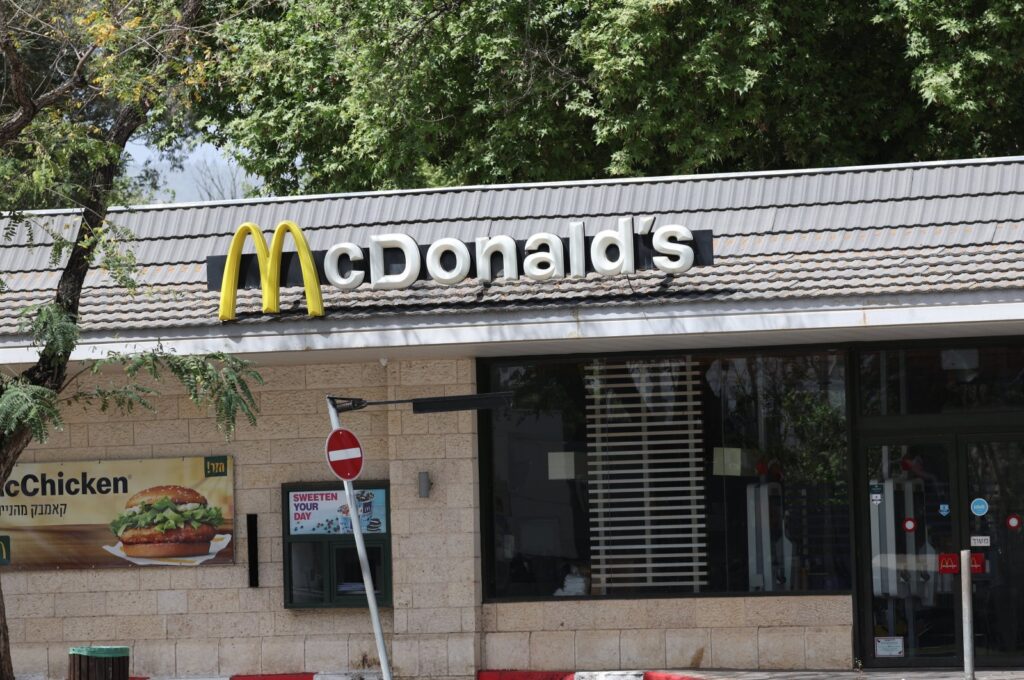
x=207, y=621
x=793, y=632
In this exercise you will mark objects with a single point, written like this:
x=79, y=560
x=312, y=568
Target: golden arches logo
x=270, y=269
x=5, y=549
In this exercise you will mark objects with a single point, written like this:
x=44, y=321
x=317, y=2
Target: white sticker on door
x=981, y=541
x=888, y=647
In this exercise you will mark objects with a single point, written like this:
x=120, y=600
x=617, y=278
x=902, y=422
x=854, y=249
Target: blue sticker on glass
x=979, y=507
x=944, y=509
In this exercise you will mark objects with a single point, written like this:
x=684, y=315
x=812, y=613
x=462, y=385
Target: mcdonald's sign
x=5, y=550
x=270, y=269
x=395, y=261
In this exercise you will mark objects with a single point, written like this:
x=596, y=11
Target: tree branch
x=29, y=107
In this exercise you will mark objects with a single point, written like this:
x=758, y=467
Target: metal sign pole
x=967, y=607
x=364, y=563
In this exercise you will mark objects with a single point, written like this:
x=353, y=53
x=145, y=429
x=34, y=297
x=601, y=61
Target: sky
x=205, y=175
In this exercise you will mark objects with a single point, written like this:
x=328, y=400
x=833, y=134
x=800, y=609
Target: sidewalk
x=853, y=675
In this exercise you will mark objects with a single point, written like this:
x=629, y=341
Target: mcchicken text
x=31, y=485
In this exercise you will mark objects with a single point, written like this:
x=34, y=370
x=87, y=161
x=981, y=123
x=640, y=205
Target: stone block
x=803, y=610
x=675, y=613
x=362, y=653
x=280, y=378
x=781, y=647
x=149, y=627
x=552, y=650
x=114, y=433
x=462, y=654
x=161, y=432
x=239, y=656
x=723, y=612
x=303, y=402
x=506, y=651
x=172, y=601
x=132, y=602
x=734, y=647
x=326, y=654
x=829, y=647
x=405, y=659
x=30, y=606
x=443, y=423
x=642, y=649
x=225, y=577
x=283, y=655
x=521, y=616
x=439, y=372
x=460, y=446
x=196, y=658
x=440, y=620
x=82, y=604
x=57, y=662
x=567, y=615
x=597, y=650
x=433, y=651
x=95, y=628
x=30, y=660
x=688, y=648
x=154, y=658
x=213, y=601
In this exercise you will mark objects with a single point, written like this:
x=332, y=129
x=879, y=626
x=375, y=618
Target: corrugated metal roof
x=929, y=227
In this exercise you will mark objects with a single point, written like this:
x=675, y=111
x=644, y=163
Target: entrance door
x=913, y=609
x=995, y=497
x=926, y=499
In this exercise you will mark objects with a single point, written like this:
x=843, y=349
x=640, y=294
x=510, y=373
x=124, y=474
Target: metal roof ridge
x=661, y=179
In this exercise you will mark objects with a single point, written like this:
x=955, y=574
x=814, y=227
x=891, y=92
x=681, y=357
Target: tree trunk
x=6, y=665
x=51, y=368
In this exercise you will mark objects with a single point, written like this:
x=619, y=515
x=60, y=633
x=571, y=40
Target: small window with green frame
x=321, y=565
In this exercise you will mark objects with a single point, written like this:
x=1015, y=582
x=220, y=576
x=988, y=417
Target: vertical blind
x=645, y=475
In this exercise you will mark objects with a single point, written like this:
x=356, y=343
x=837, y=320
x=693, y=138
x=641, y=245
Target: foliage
x=80, y=79
x=24, y=405
x=165, y=515
x=317, y=96
x=217, y=380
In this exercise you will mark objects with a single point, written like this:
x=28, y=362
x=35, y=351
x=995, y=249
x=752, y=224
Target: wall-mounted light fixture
x=425, y=484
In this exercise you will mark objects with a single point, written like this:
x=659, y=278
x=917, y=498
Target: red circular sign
x=909, y=524
x=1013, y=522
x=344, y=454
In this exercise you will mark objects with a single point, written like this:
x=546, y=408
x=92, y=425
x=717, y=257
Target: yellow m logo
x=4, y=555
x=270, y=270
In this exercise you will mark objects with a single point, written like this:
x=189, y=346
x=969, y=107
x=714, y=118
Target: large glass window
x=930, y=380
x=669, y=474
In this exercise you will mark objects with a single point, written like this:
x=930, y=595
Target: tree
x=81, y=78
x=318, y=96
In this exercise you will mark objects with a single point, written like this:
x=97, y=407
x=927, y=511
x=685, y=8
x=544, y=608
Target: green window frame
x=323, y=551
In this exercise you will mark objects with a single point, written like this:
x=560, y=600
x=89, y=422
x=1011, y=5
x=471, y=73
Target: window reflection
x=307, y=577
x=670, y=474
x=941, y=380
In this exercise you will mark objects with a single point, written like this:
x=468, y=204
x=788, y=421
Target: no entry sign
x=344, y=454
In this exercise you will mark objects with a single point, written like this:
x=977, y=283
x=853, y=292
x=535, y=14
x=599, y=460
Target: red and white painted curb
x=582, y=675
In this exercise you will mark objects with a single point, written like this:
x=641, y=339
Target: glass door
x=913, y=608
x=995, y=501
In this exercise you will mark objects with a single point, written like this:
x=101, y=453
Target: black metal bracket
x=459, y=402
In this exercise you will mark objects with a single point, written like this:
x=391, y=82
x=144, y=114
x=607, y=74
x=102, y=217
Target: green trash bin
x=98, y=663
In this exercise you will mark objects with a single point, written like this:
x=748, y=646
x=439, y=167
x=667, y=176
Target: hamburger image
x=167, y=521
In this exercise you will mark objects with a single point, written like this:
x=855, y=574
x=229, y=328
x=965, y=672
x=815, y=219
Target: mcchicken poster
x=118, y=513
